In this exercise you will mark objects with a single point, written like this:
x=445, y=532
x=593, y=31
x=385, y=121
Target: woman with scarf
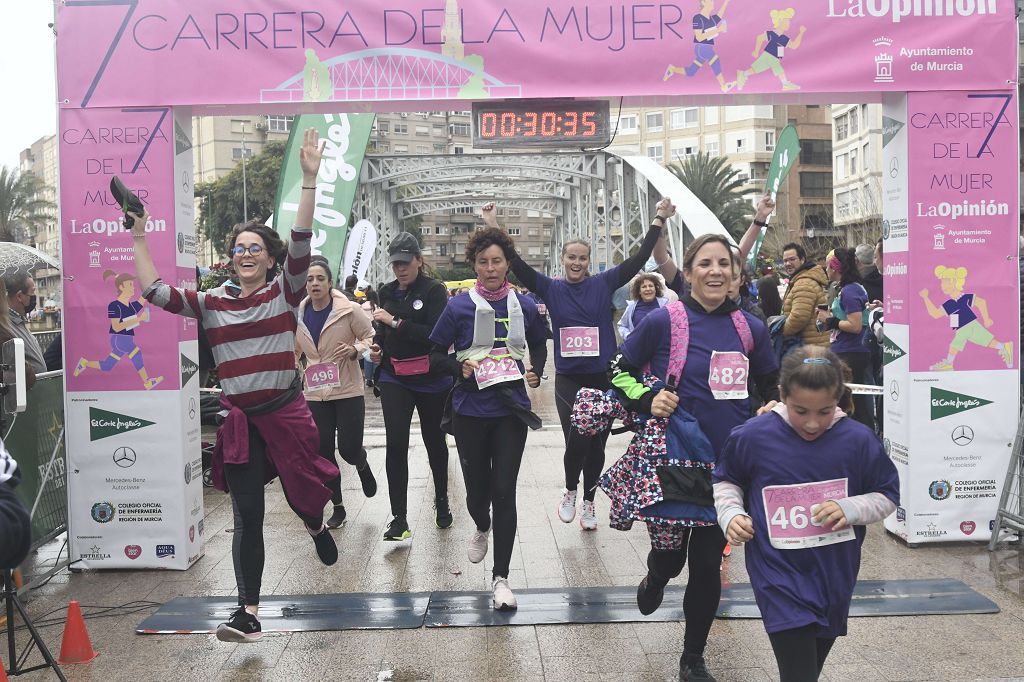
x=492, y=330
x=269, y=431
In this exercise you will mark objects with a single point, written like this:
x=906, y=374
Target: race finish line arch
x=131, y=73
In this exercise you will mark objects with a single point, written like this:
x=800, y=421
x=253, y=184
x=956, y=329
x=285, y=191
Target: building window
x=814, y=217
x=422, y=149
x=442, y=249
x=279, y=124
x=534, y=251
x=423, y=131
x=381, y=147
x=460, y=150
x=425, y=230
x=656, y=152
x=466, y=210
x=759, y=171
x=853, y=161
x=711, y=146
x=515, y=231
x=628, y=123
x=865, y=159
x=842, y=128
x=383, y=126
x=513, y=212
x=741, y=145
x=685, y=118
x=438, y=129
x=441, y=229
x=769, y=140
x=842, y=162
x=459, y=129
x=815, y=184
x=853, y=120
x=655, y=122
x=401, y=128
x=710, y=115
x=816, y=152
x=683, y=148
x=237, y=152
x=439, y=149
x=401, y=149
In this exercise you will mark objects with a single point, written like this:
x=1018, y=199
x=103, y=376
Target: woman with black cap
x=409, y=308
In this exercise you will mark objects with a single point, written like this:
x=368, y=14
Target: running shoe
x=741, y=79
x=442, y=513
x=1006, y=353
x=669, y=70
x=588, y=518
x=567, y=507
x=326, y=549
x=397, y=530
x=942, y=366
x=243, y=627
x=693, y=669
x=477, y=549
x=367, y=480
x=648, y=599
x=337, y=519
x=790, y=86
x=81, y=366
x=502, y=598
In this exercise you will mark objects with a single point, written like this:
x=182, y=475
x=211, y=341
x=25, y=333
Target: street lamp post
x=245, y=193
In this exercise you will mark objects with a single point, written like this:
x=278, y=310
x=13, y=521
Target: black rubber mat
x=547, y=606
x=298, y=613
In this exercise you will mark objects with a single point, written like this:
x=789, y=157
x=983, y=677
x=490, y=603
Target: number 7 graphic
x=131, y=4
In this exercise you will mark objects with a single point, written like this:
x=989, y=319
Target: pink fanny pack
x=411, y=366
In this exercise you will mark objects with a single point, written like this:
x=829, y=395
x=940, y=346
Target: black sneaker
x=367, y=479
x=243, y=627
x=326, y=549
x=442, y=513
x=692, y=669
x=397, y=530
x=648, y=599
x=338, y=517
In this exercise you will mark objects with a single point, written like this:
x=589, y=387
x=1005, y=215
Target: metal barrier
x=1009, y=521
x=46, y=338
x=36, y=440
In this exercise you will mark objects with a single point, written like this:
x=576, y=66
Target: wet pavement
x=548, y=553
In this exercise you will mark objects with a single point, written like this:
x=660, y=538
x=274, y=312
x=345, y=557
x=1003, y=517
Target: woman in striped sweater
x=269, y=431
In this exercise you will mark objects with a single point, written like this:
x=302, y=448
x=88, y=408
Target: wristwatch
x=395, y=322
x=658, y=217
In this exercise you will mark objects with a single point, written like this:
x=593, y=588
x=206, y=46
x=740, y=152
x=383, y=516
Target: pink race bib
x=322, y=375
x=727, y=376
x=789, y=511
x=496, y=370
x=579, y=342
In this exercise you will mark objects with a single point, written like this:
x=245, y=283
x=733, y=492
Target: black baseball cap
x=403, y=248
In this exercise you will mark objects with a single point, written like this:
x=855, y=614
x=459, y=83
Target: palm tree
x=717, y=185
x=23, y=208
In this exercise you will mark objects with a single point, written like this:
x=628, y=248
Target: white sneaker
x=477, y=549
x=567, y=507
x=588, y=518
x=502, y=598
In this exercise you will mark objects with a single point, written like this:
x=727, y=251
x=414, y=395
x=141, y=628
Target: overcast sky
x=29, y=110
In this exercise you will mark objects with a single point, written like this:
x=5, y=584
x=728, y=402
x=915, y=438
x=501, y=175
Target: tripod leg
x=11, y=595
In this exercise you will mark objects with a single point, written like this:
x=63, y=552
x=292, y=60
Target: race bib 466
x=789, y=510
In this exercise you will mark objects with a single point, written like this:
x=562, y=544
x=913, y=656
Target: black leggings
x=343, y=417
x=704, y=546
x=398, y=403
x=862, y=404
x=800, y=653
x=246, y=483
x=490, y=451
x=582, y=453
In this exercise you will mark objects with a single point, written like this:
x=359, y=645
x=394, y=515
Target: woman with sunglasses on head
x=580, y=308
x=492, y=330
x=269, y=431
x=333, y=333
x=409, y=308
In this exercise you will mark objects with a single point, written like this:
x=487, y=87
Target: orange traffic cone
x=75, y=647
x=3, y=671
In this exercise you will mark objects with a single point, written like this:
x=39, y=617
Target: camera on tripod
x=12, y=376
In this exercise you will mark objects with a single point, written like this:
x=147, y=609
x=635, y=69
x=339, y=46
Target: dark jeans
x=343, y=419
x=703, y=547
x=490, y=451
x=398, y=403
x=863, y=408
x=582, y=453
x=800, y=654
x=246, y=483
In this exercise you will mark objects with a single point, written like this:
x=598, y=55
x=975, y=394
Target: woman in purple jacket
x=580, y=308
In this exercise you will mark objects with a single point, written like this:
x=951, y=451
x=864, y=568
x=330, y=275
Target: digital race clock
x=534, y=123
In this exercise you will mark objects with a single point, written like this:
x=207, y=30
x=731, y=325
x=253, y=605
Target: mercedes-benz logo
x=124, y=457
x=184, y=180
x=963, y=435
x=894, y=390
x=192, y=408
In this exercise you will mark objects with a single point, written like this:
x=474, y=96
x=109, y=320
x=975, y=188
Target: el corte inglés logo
x=188, y=369
x=890, y=351
x=103, y=424
x=945, y=403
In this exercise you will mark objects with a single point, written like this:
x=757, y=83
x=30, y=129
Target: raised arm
x=935, y=312
x=531, y=279
x=765, y=207
x=799, y=38
x=628, y=268
x=297, y=263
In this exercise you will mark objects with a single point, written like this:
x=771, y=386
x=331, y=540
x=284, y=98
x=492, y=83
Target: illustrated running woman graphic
x=960, y=307
x=125, y=315
x=706, y=27
x=774, y=43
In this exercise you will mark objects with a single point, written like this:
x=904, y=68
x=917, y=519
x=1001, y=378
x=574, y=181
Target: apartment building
x=857, y=190
x=40, y=159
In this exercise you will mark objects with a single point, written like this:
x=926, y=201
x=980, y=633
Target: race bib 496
x=789, y=511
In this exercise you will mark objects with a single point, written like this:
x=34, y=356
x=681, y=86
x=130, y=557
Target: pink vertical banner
x=113, y=338
x=964, y=212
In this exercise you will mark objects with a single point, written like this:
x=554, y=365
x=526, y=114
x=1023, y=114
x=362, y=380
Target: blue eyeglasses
x=253, y=249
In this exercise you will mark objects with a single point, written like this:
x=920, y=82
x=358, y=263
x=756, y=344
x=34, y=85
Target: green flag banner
x=787, y=150
x=346, y=136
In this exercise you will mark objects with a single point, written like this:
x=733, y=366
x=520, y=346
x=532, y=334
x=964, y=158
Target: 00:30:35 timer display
x=541, y=123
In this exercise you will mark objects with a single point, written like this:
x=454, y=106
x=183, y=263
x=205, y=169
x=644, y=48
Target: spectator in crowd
x=806, y=291
x=351, y=282
x=15, y=527
x=54, y=355
x=768, y=296
x=21, y=298
x=870, y=274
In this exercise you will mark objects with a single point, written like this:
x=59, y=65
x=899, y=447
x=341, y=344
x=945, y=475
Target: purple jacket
x=293, y=446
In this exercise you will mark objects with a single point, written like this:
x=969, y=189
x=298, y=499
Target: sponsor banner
x=345, y=137
x=362, y=242
x=184, y=205
x=126, y=489
x=787, y=149
x=272, y=51
x=963, y=223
